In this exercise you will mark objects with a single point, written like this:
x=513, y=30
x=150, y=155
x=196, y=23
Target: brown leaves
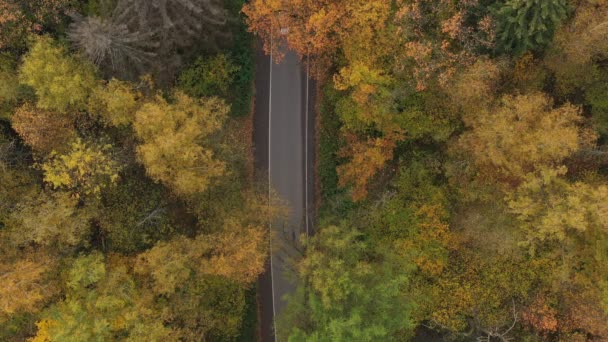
x=541, y=316
x=21, y=17
x=43, y=130
x=319, y=29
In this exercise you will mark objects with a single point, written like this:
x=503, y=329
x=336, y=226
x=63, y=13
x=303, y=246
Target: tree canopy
x=173, y=135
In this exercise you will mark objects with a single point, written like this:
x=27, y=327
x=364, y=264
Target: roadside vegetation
x=462, y=169
x=127, y=206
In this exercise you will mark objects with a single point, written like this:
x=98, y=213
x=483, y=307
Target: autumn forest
x=461, y=170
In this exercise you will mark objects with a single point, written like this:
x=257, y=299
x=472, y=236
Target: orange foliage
x=432, y=231
x=540, y=316
x=237, y=253
x=319, y=28
x=24, y=284
x=21, y=17
x=438, y=48
x=368, y=157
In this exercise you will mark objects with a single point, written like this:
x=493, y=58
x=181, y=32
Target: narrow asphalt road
x=284, y=149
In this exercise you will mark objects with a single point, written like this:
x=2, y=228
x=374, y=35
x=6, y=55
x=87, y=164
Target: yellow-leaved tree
x=85, y=169
x=368, y=157
x=521, y=135
x=49, y=220
x=236, y=253
x=174, y=145
x=550, y=208
x=61, y=81
x=116, y=102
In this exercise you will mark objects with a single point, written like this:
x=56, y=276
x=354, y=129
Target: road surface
x=283, y=139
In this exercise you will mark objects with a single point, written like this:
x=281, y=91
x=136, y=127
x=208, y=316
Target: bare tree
x=151, y=36
x=180, y=25
x=180, y=22
x=112, y=46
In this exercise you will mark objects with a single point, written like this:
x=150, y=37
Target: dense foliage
x=110, y=224
x=462, y=167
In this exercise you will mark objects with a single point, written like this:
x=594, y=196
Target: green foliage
x=528, y=24
x=249, y=328
x=134, y=214
x=99, y=8
x=210, y=306
x=349, y=292
x=15, y=185
x=10, y=90
x=61, y=82
x=479, y=292
x=410, y=216
x=209, y=77
x=335, y=201
x=229, y=76
x=85, y=271
x=597, y=97
x=18, y=328
x=242, y=53
x=101, y=304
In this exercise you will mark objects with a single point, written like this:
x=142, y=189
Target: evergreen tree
x=528, y=24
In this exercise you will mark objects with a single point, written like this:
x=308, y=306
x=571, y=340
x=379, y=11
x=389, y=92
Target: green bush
x=242, y=54
x=228, y=75
x=134, y=215
x=209, y=77
x=335, y=202
x=597, y=97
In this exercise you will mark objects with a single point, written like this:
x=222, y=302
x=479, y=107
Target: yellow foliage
x=524, y=133
x=43, y=334
x=115, y=102
x=237, y=253
x=550, y=208
x=173, y=139
x=61, y=82
x=85, y=169
x=475, y=88
x=577, y=45
x=49, y=220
